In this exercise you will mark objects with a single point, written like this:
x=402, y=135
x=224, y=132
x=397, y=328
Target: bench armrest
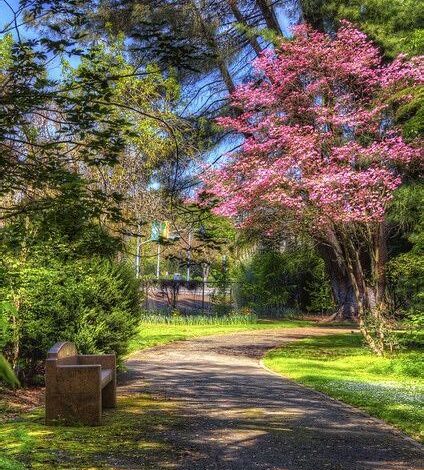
x=107, y=361
x=75, y=378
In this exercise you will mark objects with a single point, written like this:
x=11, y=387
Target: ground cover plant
x=131, y=433
x=390, y=387
x=176, y=318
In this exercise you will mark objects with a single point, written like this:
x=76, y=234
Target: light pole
x=138, y=253
x=158, y=262
x=189, y=256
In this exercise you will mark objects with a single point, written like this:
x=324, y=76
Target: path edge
x=386, y=426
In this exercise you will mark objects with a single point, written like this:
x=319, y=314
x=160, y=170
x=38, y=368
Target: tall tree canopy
x=322, y=147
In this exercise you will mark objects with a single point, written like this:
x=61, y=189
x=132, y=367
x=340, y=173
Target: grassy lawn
x=390, y=388
x=132, y=435
x=154, y=334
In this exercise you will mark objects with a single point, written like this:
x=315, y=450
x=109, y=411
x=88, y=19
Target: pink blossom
x=314, y=143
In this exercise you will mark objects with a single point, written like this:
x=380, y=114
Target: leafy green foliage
x=93, y=303
x=52, y=130
x=411, y=113
x=68, y=228
x=272, y=282
x=59, y=281
x=235, y=318
x=406, y=270
x=6, y=373
x=396, y=25
x=211, y=241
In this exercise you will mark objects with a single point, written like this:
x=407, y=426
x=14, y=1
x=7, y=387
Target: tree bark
x=225, y=73
x=365, y=257
x=341, y=286
x=214, y=46
x=269, y=15
x=380, y=259
x=242, y=20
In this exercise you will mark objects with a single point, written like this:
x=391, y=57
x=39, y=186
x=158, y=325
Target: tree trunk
x=344, y=297
x=242, y=20
x=341, y=286
x=380, y=258
x=269, y=15
x=214, y=46
x=16, y=334
x=365, y=262
x=225, y=73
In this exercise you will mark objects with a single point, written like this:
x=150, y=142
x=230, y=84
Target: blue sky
x=288, y=14
x=6, y=14
x=6, y=17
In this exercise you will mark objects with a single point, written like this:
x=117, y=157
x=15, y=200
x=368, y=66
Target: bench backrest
x=63, y=354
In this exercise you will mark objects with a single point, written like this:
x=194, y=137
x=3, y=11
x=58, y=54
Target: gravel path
x=237, y=415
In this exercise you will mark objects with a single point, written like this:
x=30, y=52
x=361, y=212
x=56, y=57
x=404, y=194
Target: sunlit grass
x=231, y=319
x=390, y=388
x=154, y=334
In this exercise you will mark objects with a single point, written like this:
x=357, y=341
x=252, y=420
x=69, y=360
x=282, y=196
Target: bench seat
x=78, y=386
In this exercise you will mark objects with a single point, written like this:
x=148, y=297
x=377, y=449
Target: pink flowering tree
x=322, y=151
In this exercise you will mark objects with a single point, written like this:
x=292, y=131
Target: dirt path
x=240, y=416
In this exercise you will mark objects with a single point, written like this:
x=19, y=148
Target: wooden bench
x=78, y=386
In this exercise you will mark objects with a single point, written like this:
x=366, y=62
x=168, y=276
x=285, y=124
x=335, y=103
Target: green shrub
x=395, y=25
x=7, y=375
x=406, y=269
x=273, y=283
x=94, y=303
x=5, y=332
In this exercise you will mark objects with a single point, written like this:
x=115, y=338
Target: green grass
x=133, y=434
x=233, y=319
x=390, y=388
x=154, y=334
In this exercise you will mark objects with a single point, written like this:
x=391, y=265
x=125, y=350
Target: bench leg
x=78, y=409
x=109, y=394
x=75, y=397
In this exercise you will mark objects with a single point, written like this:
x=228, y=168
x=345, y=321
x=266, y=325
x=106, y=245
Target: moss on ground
x=390, y=388
x=133, y=434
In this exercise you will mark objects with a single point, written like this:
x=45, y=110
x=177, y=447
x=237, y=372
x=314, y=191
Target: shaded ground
x=132, y=436
x=390, y=387
x=15, y=402
x=237, y=415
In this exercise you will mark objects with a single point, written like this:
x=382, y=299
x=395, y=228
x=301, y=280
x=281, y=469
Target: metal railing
x=209, y=297
x=188, y=296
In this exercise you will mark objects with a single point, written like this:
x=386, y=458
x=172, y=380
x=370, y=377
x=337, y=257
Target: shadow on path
x=239, y=416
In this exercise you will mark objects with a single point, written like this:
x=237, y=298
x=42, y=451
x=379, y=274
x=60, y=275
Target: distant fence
x=211, y=297
x=187, y=296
